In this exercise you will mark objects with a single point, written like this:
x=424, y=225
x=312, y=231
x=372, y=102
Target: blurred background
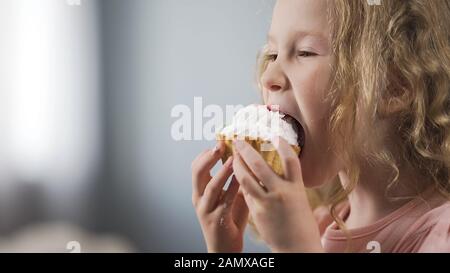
x=87, y=88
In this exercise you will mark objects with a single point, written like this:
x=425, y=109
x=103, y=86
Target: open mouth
x=298, y=129
x=296, y=125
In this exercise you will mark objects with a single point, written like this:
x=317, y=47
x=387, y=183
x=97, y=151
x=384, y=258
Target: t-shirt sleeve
x=436, y=238
x=430, y=234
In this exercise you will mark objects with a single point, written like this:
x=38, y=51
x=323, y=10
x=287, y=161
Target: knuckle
x=277, y=196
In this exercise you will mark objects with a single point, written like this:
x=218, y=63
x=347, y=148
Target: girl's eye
x=305, y=54
x=271, y=57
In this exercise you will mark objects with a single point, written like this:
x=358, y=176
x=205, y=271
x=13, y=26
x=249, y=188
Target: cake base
x=265, y=149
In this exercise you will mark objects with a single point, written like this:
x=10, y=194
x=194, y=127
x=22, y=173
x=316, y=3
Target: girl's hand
x=279, y=208
x=323, y=215
x=223, y=215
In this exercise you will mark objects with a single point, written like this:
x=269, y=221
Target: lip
x=300, y=128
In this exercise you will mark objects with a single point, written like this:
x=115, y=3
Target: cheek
x=310, y=91
x=318, y=161
x=319, y=164
x=311, y=88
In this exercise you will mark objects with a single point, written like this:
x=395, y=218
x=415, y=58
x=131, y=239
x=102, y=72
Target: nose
x=274, y=78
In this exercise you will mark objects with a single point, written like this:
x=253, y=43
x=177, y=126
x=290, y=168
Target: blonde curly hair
x=392, y=62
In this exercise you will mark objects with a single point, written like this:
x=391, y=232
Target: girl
x=370, y=84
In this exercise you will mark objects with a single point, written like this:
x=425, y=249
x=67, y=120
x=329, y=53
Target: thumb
x=289, y=160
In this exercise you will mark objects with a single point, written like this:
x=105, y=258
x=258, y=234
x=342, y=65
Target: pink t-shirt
x=421, y=225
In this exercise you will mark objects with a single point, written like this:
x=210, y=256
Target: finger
x=214, y=188
x=289, y=160
x=249, y=201
x=245, y=179
x=323, y=218
x=240, y=210
x=341, y=206
x=202, y=166
x=230, y=194
x=256, y=163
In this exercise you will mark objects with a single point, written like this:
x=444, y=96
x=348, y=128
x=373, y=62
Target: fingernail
x=216, y=149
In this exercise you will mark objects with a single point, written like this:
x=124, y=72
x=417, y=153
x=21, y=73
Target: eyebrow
x=298, y=34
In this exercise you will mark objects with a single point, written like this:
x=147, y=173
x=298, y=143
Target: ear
x=397, y=97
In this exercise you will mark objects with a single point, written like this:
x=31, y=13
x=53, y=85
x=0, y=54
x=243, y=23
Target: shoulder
x=430, y=233
x=437, y=233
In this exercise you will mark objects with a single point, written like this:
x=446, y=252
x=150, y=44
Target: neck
x=370, y=201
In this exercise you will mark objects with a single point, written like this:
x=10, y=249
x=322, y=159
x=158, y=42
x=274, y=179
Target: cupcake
x=257, y=125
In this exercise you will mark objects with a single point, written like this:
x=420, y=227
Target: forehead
x=299, y=17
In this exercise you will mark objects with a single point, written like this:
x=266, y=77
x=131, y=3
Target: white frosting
x=256, y=121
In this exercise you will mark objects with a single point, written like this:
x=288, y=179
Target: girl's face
x=298, y=80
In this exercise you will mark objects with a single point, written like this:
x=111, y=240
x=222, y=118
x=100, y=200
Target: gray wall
x=50, y=131
x=157, y=54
